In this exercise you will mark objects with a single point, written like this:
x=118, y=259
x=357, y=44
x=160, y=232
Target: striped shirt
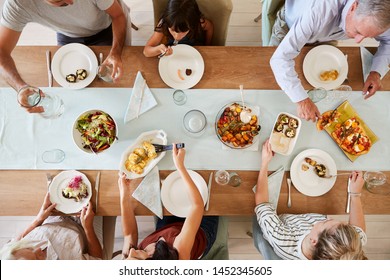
x=286, y=232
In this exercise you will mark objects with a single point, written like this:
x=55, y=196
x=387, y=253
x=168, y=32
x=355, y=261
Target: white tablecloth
x=24, y=137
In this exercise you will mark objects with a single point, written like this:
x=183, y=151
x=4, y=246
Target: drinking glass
x=317, y=94
x=30, y=97
x=194, y=122
x=376, y=182
x=53, y=156
x=104, y=72
x=223, y=177
x=179, y=97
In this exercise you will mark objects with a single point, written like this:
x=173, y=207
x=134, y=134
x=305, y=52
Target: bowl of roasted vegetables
x=236, y=126
x=94, y=131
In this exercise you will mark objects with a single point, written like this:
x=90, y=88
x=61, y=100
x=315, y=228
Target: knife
x=97, y=182
x=209, y=187
x=48, y=62
x=349, y=196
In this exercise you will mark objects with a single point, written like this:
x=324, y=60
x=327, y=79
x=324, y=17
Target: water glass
x=376, y=182
x=222, y=177
x=53, y=156
x=179, y=97
x=30, y=97
x=317, y=94
x=194, y=122
x=104, y=72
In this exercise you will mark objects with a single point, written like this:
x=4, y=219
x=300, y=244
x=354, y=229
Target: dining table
x=23, y=175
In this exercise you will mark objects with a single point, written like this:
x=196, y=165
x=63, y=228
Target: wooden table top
x=22, y=191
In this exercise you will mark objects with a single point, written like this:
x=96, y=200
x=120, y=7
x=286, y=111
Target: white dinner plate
x=155, y=137
x=67, y=205
x=308, y=182
x=174, y=194
x=325, y=58
x=68, y=59
x=183, y=57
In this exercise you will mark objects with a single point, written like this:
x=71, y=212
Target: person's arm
x=119, y=34
x=186, y=238
x=129, y=223
x=93, y=244
x=380, y=66
x=208, y=29
x=45, y=211
x=261, y=194
x=356, y=216
x=154, y=47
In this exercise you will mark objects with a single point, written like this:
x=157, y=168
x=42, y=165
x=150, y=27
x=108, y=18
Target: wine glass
x=222, y=177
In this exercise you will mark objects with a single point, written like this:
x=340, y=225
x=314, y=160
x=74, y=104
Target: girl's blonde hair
x=342, y=243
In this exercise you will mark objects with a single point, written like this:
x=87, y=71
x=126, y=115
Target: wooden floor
x=243, y=31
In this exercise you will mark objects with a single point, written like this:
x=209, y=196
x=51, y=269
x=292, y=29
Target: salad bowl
x=94, y=131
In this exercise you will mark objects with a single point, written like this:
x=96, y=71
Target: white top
x=66, y=239
x=309, y=22
x=286, y=232
x=83, y=18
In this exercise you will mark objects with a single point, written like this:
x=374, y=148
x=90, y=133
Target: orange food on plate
x=179, y=74
x=328, y=76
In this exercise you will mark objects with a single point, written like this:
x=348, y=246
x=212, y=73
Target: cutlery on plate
x=97, y=183
x=349, y=196
x=331, y=176
x=141, y=97
x=289, y=192
x=209, y=189
x=49, y=178
x=49, y=73
x=100, y=58
x=162, y=148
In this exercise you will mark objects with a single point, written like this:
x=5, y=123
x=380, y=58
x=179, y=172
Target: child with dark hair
x=181, y=23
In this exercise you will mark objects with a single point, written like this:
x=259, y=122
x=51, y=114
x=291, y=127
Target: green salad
x=98, y=131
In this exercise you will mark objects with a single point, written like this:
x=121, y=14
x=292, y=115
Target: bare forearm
x=356, y=216
x=119, y=35
x=94, y=247
x=261, y=194
x=30, y=228
x=9, y=72
x=129, y=223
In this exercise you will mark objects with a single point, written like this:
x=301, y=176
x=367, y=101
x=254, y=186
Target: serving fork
x=162, y=148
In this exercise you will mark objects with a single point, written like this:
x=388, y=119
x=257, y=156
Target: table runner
x=24, y=137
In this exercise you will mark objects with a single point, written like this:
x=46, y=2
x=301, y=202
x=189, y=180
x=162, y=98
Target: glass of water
x=376, y=182
x=179, y=97
x=223, y=177
x=30, y=97
x=317, y=94
x=53, y=156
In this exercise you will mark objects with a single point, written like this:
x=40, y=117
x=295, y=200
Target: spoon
x=245, y=115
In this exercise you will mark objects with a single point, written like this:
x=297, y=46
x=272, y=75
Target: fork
x=49, y=178
x=331, y=176
x=164, y=53
x=162, y=148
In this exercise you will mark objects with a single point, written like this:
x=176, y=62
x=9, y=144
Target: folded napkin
x=146, y=98
x=149, y=192
x=274, y=185
x=366, y=61
x=255, y=145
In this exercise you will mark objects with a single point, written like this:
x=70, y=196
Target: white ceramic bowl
x=77, y=134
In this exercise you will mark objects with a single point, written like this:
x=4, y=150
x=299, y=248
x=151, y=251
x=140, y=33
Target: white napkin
x=149, y=192
x=255, y=145
x=366, y=61
x=148, y=100
x=274, y=185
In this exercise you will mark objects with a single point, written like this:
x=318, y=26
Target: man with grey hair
x=302, y=22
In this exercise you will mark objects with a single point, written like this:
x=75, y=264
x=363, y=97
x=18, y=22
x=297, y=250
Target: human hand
x=357, y=182
x=46, y=209
x=266, y=153
x=178, y=156
x=308, y=110
x=116, y=63
x=372, y=84
x=86, y=217
x=164, y=50
x=124, y=184
x=23, y=95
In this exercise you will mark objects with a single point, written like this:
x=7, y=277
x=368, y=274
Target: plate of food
x=74, y=66
x=348, y=130
x=237, y=127
x=309, y=170
x=183, y=69
x=94, y=131
x=325, y=67
x=174, y=195
x=140, y=157
x=71, y=190
x=285, y=133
